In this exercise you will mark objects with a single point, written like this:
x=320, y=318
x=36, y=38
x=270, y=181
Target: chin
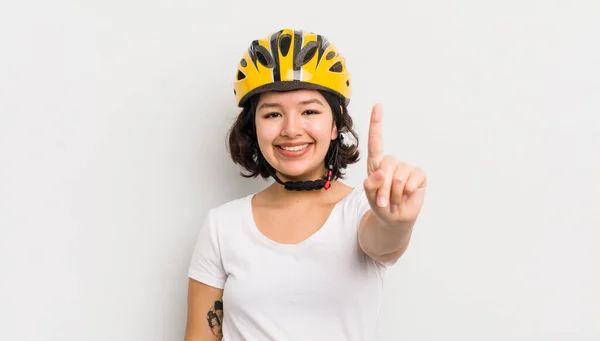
x=306, y=168
x=300, y=173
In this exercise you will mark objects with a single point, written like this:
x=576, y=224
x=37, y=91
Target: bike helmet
x=291, y=59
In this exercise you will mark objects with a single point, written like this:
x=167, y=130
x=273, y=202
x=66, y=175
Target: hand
x=395, y=190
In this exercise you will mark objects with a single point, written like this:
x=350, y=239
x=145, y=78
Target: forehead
x=293, y=97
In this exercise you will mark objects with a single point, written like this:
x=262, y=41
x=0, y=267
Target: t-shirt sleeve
x=362, y=204
x=206, y=265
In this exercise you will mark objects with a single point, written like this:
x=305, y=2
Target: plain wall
x=113, y=117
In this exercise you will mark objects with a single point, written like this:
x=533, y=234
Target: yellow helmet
x=291, y=59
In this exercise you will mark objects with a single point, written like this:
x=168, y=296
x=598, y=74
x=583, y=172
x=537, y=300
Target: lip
x=293, y=154
x=293, y=144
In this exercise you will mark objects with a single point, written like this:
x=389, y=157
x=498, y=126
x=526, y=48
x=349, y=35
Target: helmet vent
x=264, y=57
x=240, y=75
x=337, y=67
x=284, y=44
x=330, y=55
x=244, y=62
x=307, y=53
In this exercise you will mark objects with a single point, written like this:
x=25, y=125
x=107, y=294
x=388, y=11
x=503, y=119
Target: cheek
x=320, y=130
x=266, y=133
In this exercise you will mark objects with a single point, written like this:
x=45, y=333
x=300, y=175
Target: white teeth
x=294, y=149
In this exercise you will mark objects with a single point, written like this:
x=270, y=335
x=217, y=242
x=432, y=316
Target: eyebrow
x=277, y=105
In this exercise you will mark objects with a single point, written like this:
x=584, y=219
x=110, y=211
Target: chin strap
x=306, y=185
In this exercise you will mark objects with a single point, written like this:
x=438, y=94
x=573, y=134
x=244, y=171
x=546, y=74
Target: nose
x=292, y=126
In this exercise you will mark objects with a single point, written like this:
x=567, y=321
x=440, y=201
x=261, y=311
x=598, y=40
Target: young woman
x=303, y=259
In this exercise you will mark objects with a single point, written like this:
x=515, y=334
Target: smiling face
x=294, y=130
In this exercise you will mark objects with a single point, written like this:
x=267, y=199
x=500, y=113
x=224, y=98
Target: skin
x=290, y=118
x=201, y=301
x=295, y=117
x=395, y=190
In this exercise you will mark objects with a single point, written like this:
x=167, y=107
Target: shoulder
x=230, y=210
x=232, y=206
x=353, y=207
x=356, y=202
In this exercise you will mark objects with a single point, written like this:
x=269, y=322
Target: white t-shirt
x=324, y=288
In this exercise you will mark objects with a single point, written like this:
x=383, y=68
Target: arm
x=395, y=191
x=383, y=242
x=203, y=320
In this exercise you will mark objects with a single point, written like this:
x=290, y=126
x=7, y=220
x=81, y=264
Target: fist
x=395, y=190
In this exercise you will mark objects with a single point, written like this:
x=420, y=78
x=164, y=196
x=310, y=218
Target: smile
x=294, y=148
x=298, y=151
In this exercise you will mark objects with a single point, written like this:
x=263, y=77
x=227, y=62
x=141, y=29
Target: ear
x=334, y=131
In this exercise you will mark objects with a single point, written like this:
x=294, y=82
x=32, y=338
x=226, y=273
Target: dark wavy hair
x=243, y=144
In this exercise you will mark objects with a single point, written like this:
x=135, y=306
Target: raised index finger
x=375, y=132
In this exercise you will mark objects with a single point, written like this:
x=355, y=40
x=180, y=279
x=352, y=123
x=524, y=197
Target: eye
x=311, y=112
x=271, y=115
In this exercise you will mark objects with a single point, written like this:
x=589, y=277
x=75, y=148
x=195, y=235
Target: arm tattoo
x=215, y=318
